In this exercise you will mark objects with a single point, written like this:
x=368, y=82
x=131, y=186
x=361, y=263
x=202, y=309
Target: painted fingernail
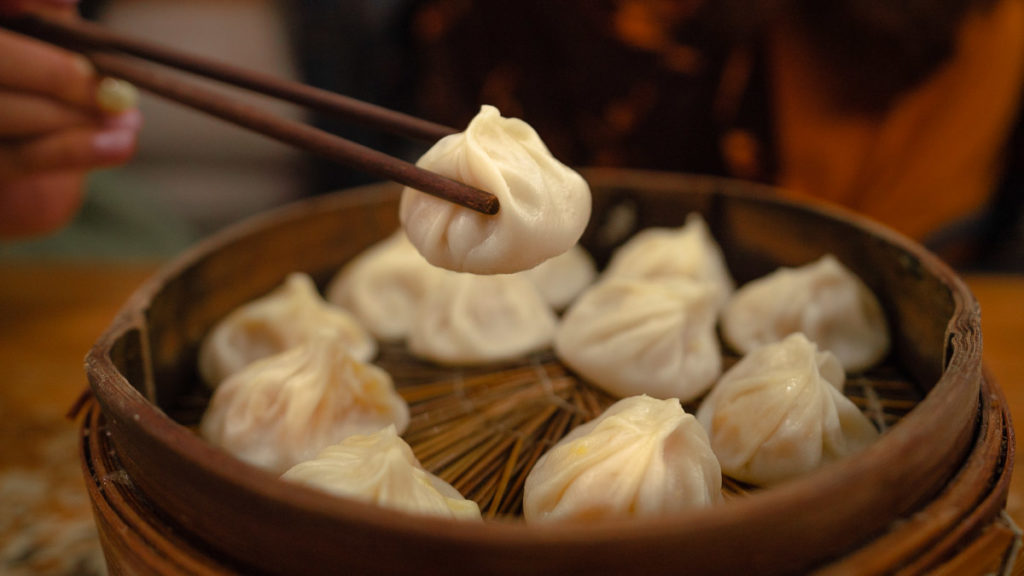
x=113, y=95
x=113, y=143
x=130, y=120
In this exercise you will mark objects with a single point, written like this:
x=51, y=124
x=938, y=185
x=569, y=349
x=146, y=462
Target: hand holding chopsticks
x=123, y=57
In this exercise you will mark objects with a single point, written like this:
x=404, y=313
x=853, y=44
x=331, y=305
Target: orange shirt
x=932, y=158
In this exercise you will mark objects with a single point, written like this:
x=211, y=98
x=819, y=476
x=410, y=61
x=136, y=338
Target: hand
x=53, y=128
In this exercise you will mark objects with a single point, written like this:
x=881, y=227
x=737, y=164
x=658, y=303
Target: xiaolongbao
x=545, y=205
x=631, y=336
x=685, y=253
x=469, y=319
x=641, y=457
x=286, y=317
x=561, y=279
x=780, y=412
x=285, y=408
x=385, y=286
x=823, y=299
x=381, y=469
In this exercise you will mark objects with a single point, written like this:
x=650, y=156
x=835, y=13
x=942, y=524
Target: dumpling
x=561, y=279
x=381, y=469
x=385, y=286
x=285, y=408
x=641, y=457
x=286, y=317
x=685, y=253
x=823, y=299
x=469, y=319
x=780, y=412
x=545, y=205
x=632, y=336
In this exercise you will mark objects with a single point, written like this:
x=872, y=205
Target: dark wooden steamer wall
x=249, y=519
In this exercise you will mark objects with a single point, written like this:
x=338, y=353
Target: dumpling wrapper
x=633, y=336
x=780, y=413
x=285, y=408
x=688, y=252
x=824, y=300
x=381, y=469
x=641, y=457
x=545, y=205
x=469, y=320
x=385, y=286
x=288, y=316
x=562, y=278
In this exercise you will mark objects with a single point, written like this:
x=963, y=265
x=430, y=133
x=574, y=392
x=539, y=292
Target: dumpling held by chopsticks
x=545, y=205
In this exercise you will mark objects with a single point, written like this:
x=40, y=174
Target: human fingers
x=40, y=203
x=27, y=115
x=33, y=66
x=77, y=148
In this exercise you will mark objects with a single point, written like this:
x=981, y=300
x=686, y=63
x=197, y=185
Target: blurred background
x=905, y=111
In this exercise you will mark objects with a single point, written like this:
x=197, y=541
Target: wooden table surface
x=51, y=313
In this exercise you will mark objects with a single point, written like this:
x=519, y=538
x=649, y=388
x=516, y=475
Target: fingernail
x=129, y=120
x=113, y=143
x=113, y=95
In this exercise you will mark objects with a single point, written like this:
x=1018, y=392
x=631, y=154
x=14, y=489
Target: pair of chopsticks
x=126, y=58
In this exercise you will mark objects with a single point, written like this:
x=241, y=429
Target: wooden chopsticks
x=129, y=59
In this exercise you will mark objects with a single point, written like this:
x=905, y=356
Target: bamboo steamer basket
x=168, y=502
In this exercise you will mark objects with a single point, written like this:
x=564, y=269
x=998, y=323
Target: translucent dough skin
x=381, y=469
x=288, y=316
x=632, y=336
x=823, y=300
x=469, y=319
x=687, y=253
x=385, y=286
x=545, y=205
x=641, y=457
x=283, y=409
x=780, y=413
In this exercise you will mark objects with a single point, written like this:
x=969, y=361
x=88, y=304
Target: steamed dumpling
x=632, y=336
x=285, y=408
x=561, y=279
x=469, y=319
x=545, y=205
x=780, y=412
x=381, y=469
x=286, y=317
x=685, y=253
x=385, y=286
x=823, y=299
x=641, y=457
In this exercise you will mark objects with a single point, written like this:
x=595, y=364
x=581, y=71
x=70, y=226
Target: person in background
x=55, y=127
x=907, y=111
